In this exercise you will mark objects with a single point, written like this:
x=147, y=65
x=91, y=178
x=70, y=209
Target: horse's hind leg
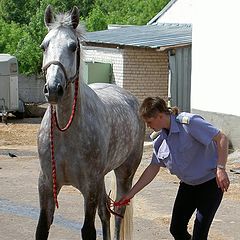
x=47, y=208
x=104, y=213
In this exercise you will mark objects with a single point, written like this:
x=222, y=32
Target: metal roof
x=148, y=36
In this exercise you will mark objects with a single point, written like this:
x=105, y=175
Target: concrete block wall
x=31, y=89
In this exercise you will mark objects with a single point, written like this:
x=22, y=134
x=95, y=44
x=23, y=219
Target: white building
x=215, y=74
x=215, y=66
x=176, y=11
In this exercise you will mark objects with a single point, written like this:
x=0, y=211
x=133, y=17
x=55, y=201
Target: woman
x=196, y=152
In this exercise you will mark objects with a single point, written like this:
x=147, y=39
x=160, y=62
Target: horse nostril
x=45, y=89
x=59, y=90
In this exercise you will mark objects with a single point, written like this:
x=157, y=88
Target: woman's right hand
x=124, y=201
x=147, y=176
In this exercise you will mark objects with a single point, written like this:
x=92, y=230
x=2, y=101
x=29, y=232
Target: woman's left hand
x=222, y=179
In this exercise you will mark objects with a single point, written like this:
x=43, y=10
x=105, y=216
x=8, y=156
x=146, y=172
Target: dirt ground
x=19, y=207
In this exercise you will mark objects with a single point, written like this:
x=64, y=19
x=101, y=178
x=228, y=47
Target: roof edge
x=161, y=12
x=162, y=49
x=120, y=46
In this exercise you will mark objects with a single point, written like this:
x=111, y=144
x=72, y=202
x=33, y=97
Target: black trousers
x=206, y=198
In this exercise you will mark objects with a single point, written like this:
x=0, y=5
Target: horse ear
x=49, y=17
x=75, y=17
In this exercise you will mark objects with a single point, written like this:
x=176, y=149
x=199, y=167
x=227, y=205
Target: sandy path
x=19, y=206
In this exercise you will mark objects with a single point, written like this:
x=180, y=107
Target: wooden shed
x=137, y=57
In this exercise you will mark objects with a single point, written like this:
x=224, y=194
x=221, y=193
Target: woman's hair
x=151, y=106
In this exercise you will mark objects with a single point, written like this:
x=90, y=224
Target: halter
x=54, y=120
x=54, y=62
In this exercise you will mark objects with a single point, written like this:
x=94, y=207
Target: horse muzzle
x=53, y=93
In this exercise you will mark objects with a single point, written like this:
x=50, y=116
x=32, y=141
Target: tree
x=22, y=22
x=62, y=6
x=28, y=51
x=18, y=11
x=11, y=35
x=132, y=12
x=21, y=11
x=96, y=20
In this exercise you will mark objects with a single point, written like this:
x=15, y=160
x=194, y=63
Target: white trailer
x=9, y=97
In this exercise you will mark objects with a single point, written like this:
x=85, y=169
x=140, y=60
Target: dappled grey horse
x=104, y=133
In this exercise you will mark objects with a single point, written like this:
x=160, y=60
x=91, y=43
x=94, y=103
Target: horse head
x=61, y=53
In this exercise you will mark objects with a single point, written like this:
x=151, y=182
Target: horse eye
x=72, y=46
x=42, y=47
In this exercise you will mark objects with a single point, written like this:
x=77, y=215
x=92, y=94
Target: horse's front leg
x=47, y=208
x=104, y=213
x=91, y=199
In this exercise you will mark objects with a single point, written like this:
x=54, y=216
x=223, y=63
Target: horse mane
x=64, y=20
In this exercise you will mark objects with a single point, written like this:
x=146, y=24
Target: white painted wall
x=105, y=55
x=216, y=56
x=180, y=12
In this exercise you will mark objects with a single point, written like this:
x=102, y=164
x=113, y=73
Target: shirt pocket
x=185, y=146
x=181, y=143
x=184, y=157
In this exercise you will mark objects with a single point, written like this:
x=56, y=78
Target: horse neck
x=64, y=108
x=84, y=98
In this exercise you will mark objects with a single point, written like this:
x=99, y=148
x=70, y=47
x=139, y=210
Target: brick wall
x=144, y=72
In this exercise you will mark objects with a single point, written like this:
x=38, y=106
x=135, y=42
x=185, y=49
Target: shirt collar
x=173, y=125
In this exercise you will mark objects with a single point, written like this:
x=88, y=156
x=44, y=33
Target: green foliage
x=96, y=20
x=18, y=11
x=22, y=22
x=10, y=36
x=132, y=12
x=28, y=51
x=63, y=6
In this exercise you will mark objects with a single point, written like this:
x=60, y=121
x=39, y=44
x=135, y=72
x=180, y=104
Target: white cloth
x=163, y=151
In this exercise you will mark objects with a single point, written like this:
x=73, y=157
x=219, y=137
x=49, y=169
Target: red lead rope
x=73, y=110
x=55, y=121
x=54, y=177
x=111, y=204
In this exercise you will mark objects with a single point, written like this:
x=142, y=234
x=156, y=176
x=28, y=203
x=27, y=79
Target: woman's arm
x=222, y=150
x=147, y=176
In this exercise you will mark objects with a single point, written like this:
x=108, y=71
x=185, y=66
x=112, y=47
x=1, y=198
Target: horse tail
x=111, y=186
x=126, y=231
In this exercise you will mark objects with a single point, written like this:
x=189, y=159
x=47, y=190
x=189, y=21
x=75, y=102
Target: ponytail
x=174, y=110
x=153, y=105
